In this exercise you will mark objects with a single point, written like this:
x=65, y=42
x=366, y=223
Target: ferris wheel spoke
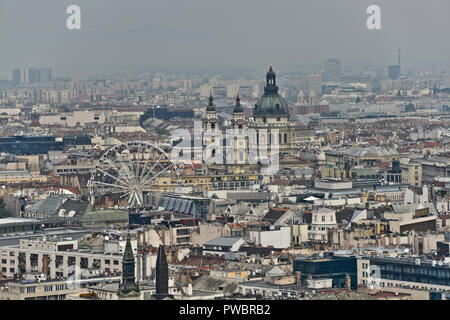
x=119, y=170
x=111, y=185
x=129, y=171
x=153, y=167
x=108, y=193
x=139, y=197
x=143, y=171
x=115, y=178
x=153, y=177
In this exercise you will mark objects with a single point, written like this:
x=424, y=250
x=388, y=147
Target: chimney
x=348, y=282
x=298, y=276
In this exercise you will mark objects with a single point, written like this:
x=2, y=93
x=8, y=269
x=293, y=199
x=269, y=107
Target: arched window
x=213, y=125
x=285, y=138
x=279, y=138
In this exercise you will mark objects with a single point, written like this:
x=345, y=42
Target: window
x=48, y=288
x=323, y=218
x=31, y=290
x=116, y=262
x=59, y=287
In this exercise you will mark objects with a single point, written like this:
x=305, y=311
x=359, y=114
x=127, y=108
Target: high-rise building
x=16, y=78
x=394, y=72
x=31, y=75
x=315, y=83
x=45, y=75
x=25, y=75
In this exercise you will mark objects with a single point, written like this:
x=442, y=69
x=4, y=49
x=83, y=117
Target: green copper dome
x=271, y=103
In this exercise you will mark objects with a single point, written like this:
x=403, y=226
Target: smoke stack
x=348, y=282
x=298, y=276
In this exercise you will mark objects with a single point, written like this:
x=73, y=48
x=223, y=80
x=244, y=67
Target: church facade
x=254, y=141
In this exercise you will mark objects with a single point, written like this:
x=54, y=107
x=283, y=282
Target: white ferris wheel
x=129, y=171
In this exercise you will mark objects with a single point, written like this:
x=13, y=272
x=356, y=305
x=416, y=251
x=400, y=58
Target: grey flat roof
x=12, y=220
x=223, y=241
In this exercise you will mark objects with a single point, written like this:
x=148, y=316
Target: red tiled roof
x=432, y=144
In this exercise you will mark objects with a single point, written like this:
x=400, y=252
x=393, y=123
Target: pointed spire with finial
x=238, y=108
x=162, y=275
x=211, y=107
x=128, y=284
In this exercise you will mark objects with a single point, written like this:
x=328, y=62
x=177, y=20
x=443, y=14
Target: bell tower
x=239, y=133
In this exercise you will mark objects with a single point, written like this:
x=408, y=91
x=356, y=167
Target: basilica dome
x=271, y=103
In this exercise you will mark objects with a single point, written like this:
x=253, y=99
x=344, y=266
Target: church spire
x=238, y=108
x=211, y=106
x=162, y=275
x=128, y=285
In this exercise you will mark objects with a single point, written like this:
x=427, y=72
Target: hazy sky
x=219, y=35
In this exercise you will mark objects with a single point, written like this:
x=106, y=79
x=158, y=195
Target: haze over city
x=218, y=36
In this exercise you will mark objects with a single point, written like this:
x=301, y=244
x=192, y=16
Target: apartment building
x=50, y=289
x=411, y=273
x=56, y=258
x=411, y=172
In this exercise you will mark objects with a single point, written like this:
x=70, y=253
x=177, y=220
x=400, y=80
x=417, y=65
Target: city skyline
x=194, y=37
x=224, y=156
